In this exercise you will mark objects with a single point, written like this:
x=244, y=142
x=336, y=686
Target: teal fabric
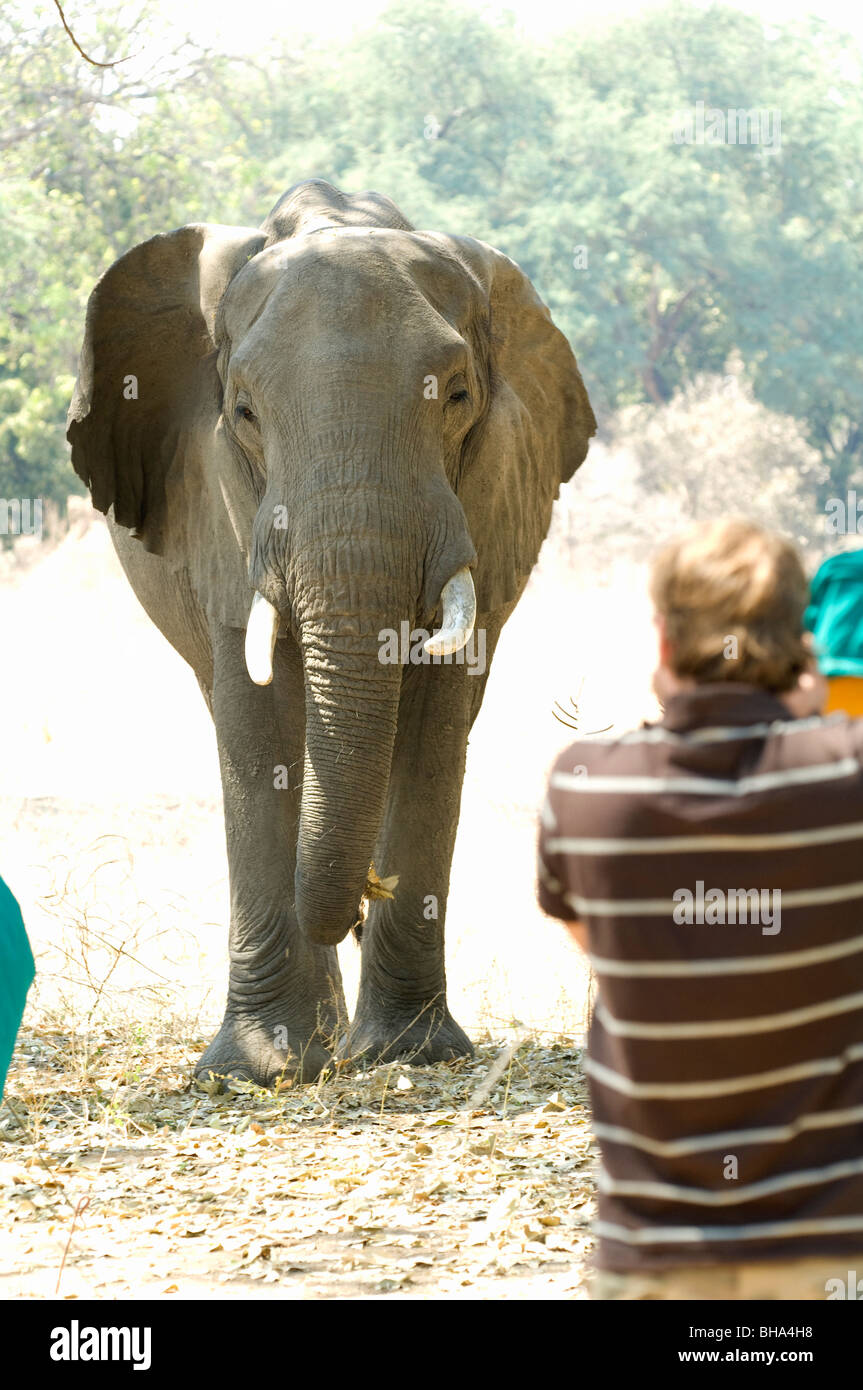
x=17, y=970
x=835, y=614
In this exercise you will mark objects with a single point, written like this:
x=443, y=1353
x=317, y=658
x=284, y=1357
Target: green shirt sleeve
x=17, y=971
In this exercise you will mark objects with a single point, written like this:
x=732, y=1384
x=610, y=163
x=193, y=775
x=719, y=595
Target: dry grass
x=122, y=1177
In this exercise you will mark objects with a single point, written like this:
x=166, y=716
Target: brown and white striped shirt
x=725, y=1056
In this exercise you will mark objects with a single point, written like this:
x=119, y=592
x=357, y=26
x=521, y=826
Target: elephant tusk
x=459, y=615
x=262, y=630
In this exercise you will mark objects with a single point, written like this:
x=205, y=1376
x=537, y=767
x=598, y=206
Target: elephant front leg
x=402, y=1007
x=285, y=1004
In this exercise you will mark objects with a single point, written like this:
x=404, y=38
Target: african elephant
x=304, y=436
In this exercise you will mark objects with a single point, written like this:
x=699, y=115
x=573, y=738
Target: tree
x=658, y=257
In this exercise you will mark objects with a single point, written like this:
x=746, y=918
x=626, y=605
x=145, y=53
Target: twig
x=495, y=1071
x=86, y=56
x=83, y=1203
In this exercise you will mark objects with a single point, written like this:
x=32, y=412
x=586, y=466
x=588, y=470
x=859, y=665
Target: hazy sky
x=243, y=27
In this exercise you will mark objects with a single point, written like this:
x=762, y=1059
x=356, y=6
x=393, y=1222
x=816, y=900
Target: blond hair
x=732, y=598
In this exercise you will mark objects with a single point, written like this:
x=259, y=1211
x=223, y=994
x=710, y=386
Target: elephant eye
x=245, y=412
x=458, y=391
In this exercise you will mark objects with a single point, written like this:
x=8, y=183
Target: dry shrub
x=713, y=450
x=716, y=450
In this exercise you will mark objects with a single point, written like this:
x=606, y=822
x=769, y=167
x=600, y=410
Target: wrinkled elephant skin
x=329, y=429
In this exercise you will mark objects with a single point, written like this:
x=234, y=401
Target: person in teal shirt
x=835, y=618
x=17, y=971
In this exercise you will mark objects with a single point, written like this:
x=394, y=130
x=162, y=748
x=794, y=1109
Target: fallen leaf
x=379, y=887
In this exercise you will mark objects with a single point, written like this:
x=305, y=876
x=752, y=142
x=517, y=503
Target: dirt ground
x=402, y=1180
x=118, y=1177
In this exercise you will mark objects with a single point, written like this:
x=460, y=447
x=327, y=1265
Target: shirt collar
x=722, y=703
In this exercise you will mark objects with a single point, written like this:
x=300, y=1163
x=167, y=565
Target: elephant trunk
x=349, y=581
x=352, y=701
x=351, y=715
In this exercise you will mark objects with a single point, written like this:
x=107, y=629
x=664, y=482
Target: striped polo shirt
x=716, y=859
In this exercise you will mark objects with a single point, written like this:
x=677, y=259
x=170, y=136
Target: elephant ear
x=148, y=368
x=535, y=432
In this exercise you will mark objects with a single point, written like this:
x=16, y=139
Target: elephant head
x=333, y=423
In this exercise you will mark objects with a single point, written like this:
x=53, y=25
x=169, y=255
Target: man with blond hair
x=712, y=866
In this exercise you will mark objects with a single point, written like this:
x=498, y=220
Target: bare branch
x=84, y=55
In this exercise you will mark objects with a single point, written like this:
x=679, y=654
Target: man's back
x=717, y=859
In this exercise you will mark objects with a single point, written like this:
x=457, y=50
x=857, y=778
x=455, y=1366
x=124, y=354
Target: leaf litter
x=465, y=1179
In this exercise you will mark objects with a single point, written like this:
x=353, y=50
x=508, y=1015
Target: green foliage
x=42, y=302
x=659, y=259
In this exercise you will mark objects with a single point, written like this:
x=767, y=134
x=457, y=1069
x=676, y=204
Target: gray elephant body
x=340, y=414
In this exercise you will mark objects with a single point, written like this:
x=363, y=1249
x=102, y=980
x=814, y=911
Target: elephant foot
x=250, y=1050
x=420, y=1041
